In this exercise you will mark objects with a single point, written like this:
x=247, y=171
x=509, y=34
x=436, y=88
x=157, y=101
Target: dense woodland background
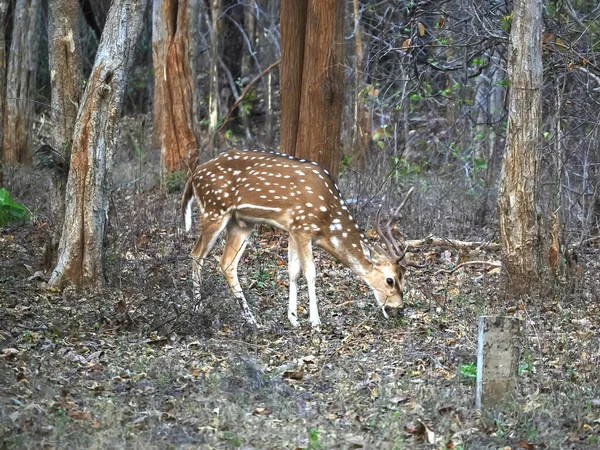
x=422, y=89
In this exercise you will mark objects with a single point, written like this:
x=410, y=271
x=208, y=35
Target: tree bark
x=293, y=34
x=173, y=91
x=233, y=47
x=20, y=82
x=3, y=13
x=198, y=56
x=213, y=101
x=81, y=251
x=520, y=222
x=361, y=133
x=64, y=53
x=322, y=85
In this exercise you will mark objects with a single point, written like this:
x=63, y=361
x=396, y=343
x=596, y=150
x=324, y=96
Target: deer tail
x=186, y=203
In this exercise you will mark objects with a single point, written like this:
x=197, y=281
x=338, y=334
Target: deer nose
x=391, y=311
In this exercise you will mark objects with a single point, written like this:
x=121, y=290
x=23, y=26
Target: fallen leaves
x=261, y=411
x=293, y=375
x=9, y=352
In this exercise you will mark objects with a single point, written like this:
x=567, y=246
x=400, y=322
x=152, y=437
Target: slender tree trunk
x=322, y=85
x=213, y=101
x=198, y=38
x=361, y=133
x=66, y=80
x=520, y=222
x=233, y=47
x=250, y=25
x=3, y=13
x=173, y=91
x=273, y=55
x=20, y=83
x=81, y=251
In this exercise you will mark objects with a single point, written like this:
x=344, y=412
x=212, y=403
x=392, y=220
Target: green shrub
x=174, y=181
x=10, y=210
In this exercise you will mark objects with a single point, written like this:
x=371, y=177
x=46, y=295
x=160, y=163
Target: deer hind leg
x=305, y=254
x=210, y=228
x=294, y=269
x=237, y=238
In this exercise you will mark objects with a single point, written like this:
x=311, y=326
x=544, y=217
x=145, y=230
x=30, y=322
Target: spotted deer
x=240, y=189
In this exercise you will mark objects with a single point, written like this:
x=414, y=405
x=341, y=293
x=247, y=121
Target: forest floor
x=139, y=365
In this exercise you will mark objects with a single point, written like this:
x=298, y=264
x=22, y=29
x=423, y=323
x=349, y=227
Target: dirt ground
x=139, y=365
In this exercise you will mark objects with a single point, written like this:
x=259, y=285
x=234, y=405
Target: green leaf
x=9, y=209
x=480, y=163
x=469, y=370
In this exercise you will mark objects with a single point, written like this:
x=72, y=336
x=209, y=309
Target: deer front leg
x=294, y=272
x=236, y=243
x=310, y=272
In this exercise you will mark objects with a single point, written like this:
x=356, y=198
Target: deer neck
x=346, y=248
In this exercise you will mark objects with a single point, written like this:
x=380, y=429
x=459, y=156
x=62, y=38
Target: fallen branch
x=443, y=242
x=245, y=91
x=471, y=263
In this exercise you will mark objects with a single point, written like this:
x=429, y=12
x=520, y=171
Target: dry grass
x=139, y=365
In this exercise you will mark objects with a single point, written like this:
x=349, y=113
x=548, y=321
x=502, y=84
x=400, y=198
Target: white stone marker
x=498, y=352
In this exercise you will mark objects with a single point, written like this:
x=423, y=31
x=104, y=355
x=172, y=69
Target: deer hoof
x=293, y=319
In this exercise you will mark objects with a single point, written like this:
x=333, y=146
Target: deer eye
x=390, y=281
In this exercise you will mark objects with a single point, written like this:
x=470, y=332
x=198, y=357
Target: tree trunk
x=520, y=223
x=273, y=54
x=233, y=46
x=173, y=91
x=322, y=85
x=20, y=82
x=293, y=35
x=81, y=251
x=213, y=101
x=250, y=26
x=361, y=132
x=199, y=40
x=64, y=53
x=3, y=13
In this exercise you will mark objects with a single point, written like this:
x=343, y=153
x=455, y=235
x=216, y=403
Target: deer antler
x=387, y=236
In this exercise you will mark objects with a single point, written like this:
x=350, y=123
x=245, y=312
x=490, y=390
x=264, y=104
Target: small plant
x=174, y=181
x=263, y=277
x=10, y=211
x=469, y=370
x=527, y=366
x=402, y=168
x=313, y=439
x=232, y=439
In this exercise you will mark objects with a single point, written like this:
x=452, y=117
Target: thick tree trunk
x=20, y=82
x=3, y=13
x=81, y=252
x=173, y=91
x=520, y=222
x=293, y=34
x=64, y=52
x=322, y=85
